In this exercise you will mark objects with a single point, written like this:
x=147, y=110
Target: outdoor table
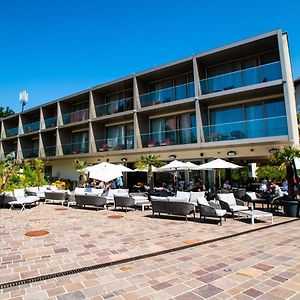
x=22, y=201
x=255, y=214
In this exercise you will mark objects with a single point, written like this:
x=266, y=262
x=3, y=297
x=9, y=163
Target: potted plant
x=285, y=158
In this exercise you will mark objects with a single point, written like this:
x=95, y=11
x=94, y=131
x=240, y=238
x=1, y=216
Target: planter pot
x=291, y=208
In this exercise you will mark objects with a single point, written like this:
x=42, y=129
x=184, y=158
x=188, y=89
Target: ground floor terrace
x=110, y=254
x=238, y=152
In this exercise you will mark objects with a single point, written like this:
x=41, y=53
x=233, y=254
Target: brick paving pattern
x=261, y=265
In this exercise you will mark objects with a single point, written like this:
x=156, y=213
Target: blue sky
x=53, y=48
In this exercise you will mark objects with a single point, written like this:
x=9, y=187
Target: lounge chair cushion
x=228, y=198
x=235, y=208
x=202, y=201
x=185, y=195
x=221, y=212
x=252, y=195
x=19, y=193
x=195, y=195
x=157, y=198
x=179, y=199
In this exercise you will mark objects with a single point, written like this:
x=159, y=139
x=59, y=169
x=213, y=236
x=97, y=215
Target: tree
x=270, y=172
x=146, y=162
x=285, y=158
x=80, y=165
x=33, y=172
x=8, y=169
x=6, y=112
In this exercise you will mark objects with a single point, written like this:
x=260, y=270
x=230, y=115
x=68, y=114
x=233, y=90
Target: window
x=176, y=88
x=247, y=121
x=80, y=142
x=120, y=137
x=174, y=130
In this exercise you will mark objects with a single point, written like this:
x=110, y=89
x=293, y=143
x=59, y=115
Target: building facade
x=236, y=101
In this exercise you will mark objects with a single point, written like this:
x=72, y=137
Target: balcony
x=50, y=151
x=75, y=148
x=118, y=143
x=233, y=80
x=170, y=137
x=257, y=128
x=174, y=93
x=75, y=116
x=50, y=123
x=114, y=107
x=31, y=127
x=30, y=153
x=11, y=132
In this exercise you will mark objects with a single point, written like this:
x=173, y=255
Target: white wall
x=63, y=168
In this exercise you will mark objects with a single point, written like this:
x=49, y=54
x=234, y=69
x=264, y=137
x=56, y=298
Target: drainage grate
x=131, y=259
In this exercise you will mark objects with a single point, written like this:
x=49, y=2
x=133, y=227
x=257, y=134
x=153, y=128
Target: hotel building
x=236, y=101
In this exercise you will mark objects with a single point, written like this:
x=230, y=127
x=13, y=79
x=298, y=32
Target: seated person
x=226, y=185
x=139, y=187
x=263, y=186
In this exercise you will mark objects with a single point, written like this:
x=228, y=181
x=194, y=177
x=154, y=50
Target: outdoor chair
x=240, y=194
x=91, y=200
x=207, y=210
x=56, y=197
x=252, y=197
x=124, y=201
x=141, y=200
x=179, y=208
x=231, y=204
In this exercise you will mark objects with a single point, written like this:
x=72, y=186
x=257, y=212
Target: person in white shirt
x=226, y=185
x=263, y=187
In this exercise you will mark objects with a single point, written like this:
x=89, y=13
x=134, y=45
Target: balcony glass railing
x=50, y=122
x=174, y=93
x=31, y=127
x=116, y=143
x=30, y=153
x=50, y=150
x=75, y=116
x=228, y=81
x=75, y=148
x=170, y=137
x=265, y=127
x=114, y=107
x=11, y=132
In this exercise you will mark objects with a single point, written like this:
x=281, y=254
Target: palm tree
x=285, y=157
x=80, y=165
x=146, y=162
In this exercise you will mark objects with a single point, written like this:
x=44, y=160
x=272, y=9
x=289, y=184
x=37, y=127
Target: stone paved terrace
x=248, y=266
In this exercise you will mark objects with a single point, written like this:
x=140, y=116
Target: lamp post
x=23, y=98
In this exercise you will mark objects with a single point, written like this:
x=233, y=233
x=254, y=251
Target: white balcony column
x=288, y=88
x=59, y=150
x=59, y=115
x=136, y=94
x=200, y=133
x=92, y=110
x=19, y=154
x=20, y=125
x=92, y=142
x=42, y=119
